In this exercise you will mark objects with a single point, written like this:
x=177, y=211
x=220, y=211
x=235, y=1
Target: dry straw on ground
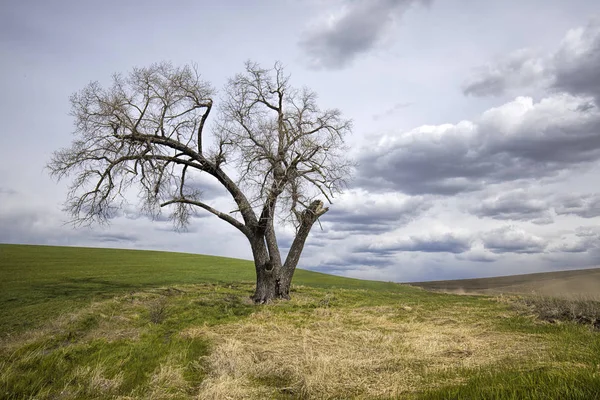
x=337, y=353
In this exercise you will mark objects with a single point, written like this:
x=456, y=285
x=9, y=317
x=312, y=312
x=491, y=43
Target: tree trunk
x=268, y=273
x=270, y=284
x=273, y=280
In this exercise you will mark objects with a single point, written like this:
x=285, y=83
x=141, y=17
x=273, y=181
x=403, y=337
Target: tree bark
x=269, y=284
x=273, y=280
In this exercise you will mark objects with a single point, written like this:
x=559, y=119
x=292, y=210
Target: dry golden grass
x=341, y=353
x=94, y=379
x=90, y=381
x=168, y=382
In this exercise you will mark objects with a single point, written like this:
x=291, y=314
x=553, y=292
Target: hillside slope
x=39, y=282
x=581, y=283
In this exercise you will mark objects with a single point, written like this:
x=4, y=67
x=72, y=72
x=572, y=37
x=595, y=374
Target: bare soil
x=571, y=284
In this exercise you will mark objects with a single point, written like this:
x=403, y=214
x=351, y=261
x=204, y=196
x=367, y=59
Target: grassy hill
x=581, y=283
x=102, y=323
x=38, y=282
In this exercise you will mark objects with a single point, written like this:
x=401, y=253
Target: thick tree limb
x=225, y=217
x=307, y=219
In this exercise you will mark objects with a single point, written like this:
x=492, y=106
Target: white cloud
x=520, y=140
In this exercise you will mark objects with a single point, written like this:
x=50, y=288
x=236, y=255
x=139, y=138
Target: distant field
x=573, y=284
x=81, y=323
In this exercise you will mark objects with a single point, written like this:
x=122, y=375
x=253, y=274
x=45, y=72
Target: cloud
x=572, y=68
x=588, y=231
x=43, y=226
x=585, y=206
x=359, y=211
x=115, y=237
x=478, y=254
x=351, y=261
x=391, y=111
x=520, y=68
x=515, y=205
x=536, y=206
x=207, y=186
x=583, y=239
x=569, y=245
x=360, y=26
x=511, y=239
x=29, y=226
x=518, y=141
x=447, y=242
x=576, y=62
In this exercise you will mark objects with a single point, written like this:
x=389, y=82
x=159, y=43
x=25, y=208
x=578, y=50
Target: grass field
x=98, y=323
x=38, y=282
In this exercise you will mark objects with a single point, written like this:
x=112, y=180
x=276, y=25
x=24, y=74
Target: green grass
x=100, y=323
x=40, y=282
x=537, y=383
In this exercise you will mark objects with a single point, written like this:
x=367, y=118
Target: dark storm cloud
x=516, y=205
x=434, y=243
x=374, y=216
x=357, y=31
x=572, y=69
x=517, y=141
x=585, y=206
x=510, y=239
x=421, y=164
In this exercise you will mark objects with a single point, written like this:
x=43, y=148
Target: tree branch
x=201, y=127
x=225, y=217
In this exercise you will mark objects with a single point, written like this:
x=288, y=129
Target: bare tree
x=273, y=150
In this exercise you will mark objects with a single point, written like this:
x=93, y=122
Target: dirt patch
x=574, y=284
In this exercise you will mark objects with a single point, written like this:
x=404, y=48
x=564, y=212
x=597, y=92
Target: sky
x=476, y=124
